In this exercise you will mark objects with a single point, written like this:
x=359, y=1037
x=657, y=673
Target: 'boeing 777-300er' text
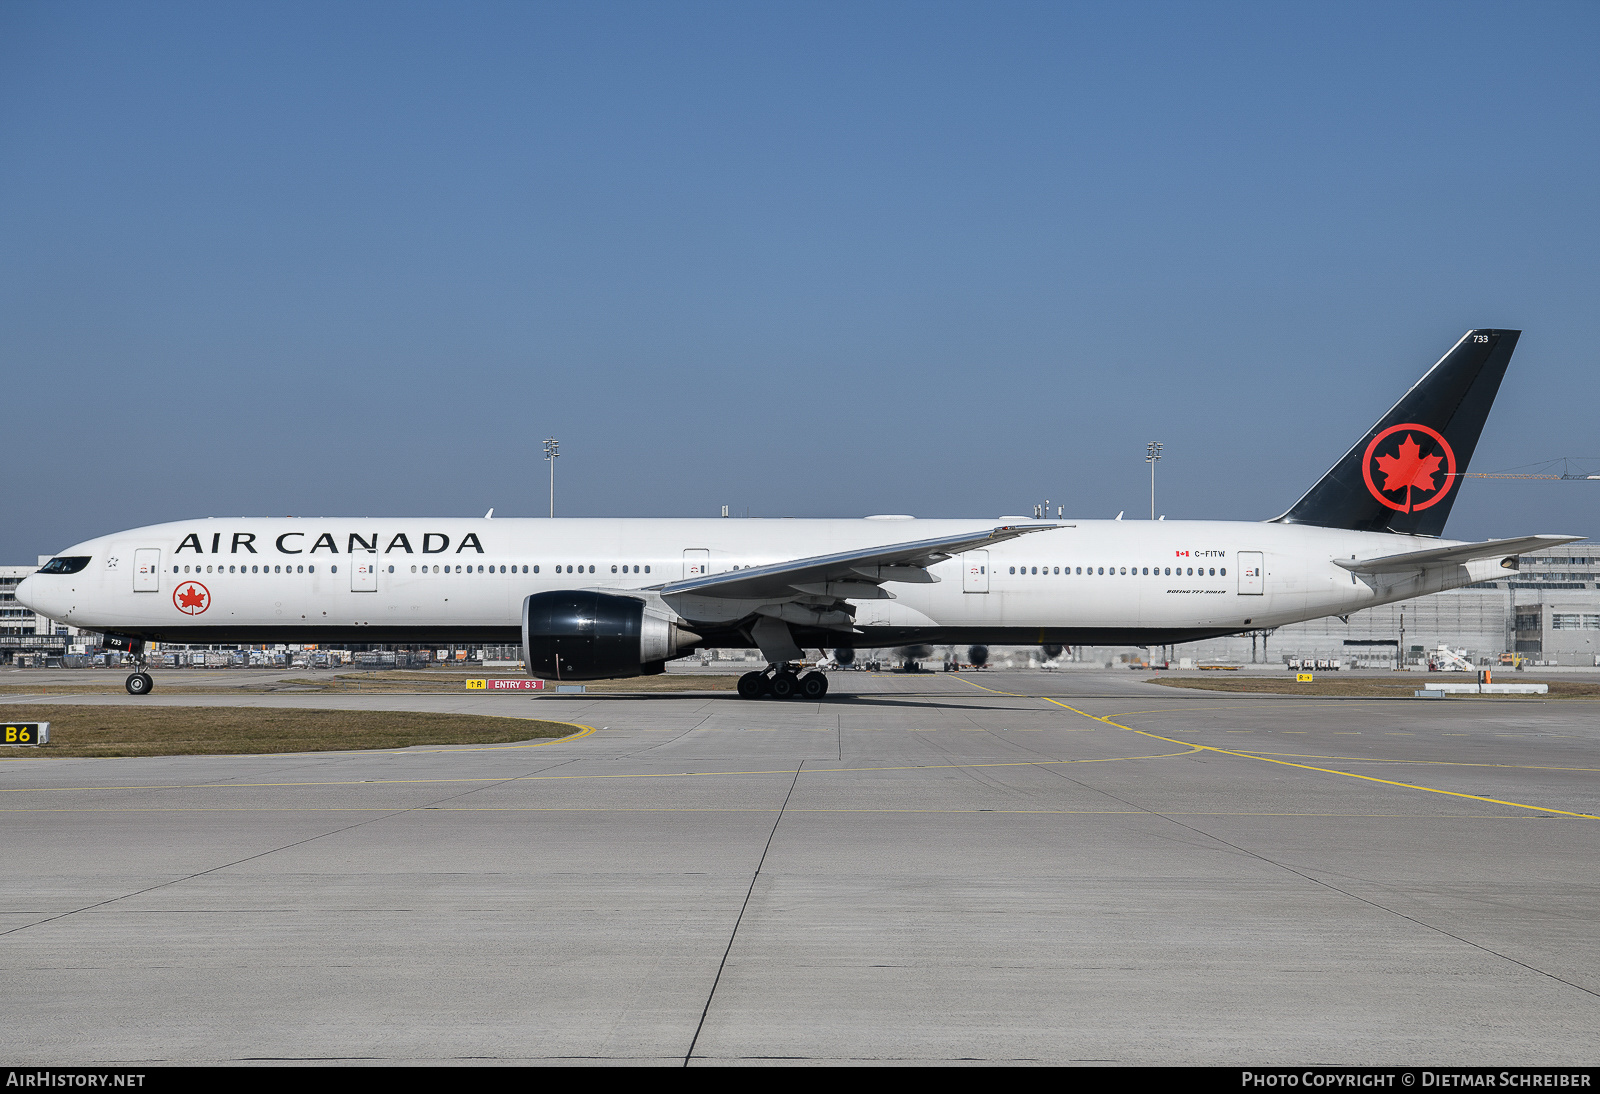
x=596, y=598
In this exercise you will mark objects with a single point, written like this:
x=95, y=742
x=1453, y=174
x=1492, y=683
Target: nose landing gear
x=139, y=682
x=782, y=682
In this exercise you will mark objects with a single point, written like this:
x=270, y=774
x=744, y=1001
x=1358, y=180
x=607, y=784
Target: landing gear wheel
x=814, y=685
x=750, y=685
x=785, y=686
x=139, y=683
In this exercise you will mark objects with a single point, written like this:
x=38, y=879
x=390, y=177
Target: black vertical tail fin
x=1405, y=473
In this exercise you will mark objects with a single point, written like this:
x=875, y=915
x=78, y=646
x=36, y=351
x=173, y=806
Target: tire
x=750, y=685
x=814, y=685
x=785, y=686
x=139, y=683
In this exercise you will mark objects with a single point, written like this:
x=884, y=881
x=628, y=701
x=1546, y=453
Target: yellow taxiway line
x=1288, y=763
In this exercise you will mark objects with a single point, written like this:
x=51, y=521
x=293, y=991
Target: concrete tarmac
x=988, y=867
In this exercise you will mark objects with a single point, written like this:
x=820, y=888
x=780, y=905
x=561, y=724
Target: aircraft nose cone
x=24, y=593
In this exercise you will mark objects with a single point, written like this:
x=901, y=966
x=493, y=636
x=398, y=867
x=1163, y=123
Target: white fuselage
x=425, y=580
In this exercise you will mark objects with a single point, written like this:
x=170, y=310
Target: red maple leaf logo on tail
x=1409, y=468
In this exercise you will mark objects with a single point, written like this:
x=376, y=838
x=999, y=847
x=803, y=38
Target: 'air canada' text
x=294, y=543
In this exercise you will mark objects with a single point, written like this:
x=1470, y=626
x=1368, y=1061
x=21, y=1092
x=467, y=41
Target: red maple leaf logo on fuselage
x=1409, y=469
x=191, y=598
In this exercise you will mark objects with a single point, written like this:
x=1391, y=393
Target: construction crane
x=1543, y=470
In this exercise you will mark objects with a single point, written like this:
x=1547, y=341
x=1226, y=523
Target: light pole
x=550, y=454
x=1152, y=453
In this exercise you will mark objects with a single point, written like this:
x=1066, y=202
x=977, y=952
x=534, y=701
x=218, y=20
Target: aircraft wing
x=1447, y=556
x=848, y=574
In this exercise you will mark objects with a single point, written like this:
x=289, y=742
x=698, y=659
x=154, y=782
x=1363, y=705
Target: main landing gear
x=781, y=682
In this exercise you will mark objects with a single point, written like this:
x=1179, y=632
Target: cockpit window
x=65, y=564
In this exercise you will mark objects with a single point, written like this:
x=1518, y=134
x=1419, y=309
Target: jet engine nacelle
x=580, y=635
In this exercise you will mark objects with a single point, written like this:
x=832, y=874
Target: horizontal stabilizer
x=1449, y=556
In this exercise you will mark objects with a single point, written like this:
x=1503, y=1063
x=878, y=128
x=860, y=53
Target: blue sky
x=807, y=260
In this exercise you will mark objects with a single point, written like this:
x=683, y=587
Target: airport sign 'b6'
x=26, y=733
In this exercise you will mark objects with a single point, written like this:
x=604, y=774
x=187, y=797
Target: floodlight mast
x=550, y=454
x=1152, y=453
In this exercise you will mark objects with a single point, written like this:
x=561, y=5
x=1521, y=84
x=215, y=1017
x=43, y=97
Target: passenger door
x=696, y=562
x=364, y=574
x=975, y=572
x=147, y=570
x=1252, y=578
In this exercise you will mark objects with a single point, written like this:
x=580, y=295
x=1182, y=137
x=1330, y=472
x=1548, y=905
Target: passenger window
x=647, y=569
x=535, y=569
x=1224, y=571
x=1013, y=569
x=613, y=568
x=591, y=569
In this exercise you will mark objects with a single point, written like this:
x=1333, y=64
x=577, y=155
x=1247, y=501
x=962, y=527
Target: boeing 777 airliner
x=596, y=598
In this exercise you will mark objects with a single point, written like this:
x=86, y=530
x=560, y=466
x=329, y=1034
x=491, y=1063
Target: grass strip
x=399, y=681
x=213, y=731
